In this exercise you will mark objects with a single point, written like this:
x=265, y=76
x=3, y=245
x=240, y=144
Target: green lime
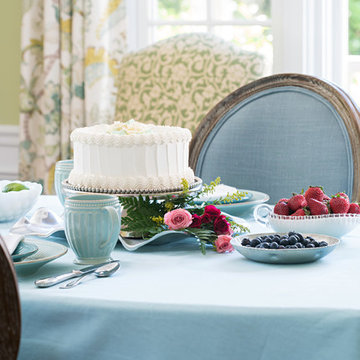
x=14, y=187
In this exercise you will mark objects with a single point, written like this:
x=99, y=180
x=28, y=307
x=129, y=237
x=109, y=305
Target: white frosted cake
x=131, y=156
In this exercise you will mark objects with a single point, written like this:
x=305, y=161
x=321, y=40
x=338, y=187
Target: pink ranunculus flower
x=178, y=219
x=222, y=244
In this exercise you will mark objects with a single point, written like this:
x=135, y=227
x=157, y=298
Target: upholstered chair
x=10, y=313
x=280, y=134
x=178, y=80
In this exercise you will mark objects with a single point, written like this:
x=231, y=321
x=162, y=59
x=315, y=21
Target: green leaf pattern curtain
x=70, y=52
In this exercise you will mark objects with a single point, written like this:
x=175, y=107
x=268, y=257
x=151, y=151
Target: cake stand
x=71, y=190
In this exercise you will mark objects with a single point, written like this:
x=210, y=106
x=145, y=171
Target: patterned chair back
x=178, y=80
x=279, y=135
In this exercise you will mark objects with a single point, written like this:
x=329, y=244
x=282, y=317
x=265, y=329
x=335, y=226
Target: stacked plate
x=243, y=206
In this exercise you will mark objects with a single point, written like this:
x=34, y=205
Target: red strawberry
x=283, y=200
x=339, y=204
x=354, y=208
x=314, y=192
x=343, y=195
x=326, y=198
x=317, y=207
x=299, y=212
x=296, y=202
x=281, y=208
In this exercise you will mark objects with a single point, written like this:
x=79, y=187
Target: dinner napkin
x=221, y=191
x=12, y=241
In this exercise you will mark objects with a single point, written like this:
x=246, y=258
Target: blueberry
x=281, y=247
x=299, y=245
x=310, y=238
x=245, y=241
x=265, y=245
x=306, y=242
x=255, y=242
x=284, y=242
x=293, y=240
x=258, y=246
x=292, y=247
x=315, y=243
x=301, y=238
x=291, y=233
x=310, y=245
x=274, y=245
x=323, y=243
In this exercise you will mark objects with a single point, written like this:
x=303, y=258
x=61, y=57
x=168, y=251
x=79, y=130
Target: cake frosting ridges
x=131, y=157
x=133, y=184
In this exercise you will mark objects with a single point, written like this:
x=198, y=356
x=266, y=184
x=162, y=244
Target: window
x=354, y=49
x=320, y=38
x=246, y=23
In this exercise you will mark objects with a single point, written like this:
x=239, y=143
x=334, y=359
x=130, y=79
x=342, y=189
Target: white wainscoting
x=9, y=152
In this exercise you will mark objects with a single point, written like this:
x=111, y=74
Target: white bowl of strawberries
x=312, y=212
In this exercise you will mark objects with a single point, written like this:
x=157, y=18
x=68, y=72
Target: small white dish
x=47, y=251
x=15, y=204
x=332, y=224
x=285, y=256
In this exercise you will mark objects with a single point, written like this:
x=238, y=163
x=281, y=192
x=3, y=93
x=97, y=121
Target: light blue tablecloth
x=171, y=302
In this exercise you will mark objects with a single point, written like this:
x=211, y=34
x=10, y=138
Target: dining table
x=169, y=301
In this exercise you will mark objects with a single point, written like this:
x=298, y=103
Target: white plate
x=240, y=208
x=285, y=256
x=47, y=251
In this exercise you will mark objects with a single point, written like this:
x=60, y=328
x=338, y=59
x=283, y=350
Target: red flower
x=196, y=221
x=212, y=211
x=221, y=226
x=205, y=218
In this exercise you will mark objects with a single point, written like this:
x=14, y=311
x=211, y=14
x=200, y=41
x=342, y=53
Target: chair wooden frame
x=10, y=315
x=341, y=102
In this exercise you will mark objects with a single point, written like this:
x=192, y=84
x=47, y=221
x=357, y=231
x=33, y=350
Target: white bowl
x=336, y=225
x=15, y=204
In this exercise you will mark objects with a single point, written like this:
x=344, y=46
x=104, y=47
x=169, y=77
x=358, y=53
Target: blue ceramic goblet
x=62, y=171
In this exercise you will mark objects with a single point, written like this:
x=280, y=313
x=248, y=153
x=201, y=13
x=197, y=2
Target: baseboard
x=9, y=152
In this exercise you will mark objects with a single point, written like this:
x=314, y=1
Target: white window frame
x=309, y=36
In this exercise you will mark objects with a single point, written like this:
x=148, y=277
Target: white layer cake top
x=130, y=133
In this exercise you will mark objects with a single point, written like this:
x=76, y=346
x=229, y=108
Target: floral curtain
x=70, y=55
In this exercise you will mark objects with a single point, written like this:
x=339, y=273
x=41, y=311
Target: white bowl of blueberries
x=284, y=248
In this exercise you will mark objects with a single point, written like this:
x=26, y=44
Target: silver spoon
x=103, y=271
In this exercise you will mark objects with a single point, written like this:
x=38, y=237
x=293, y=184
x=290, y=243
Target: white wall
x=9, y=152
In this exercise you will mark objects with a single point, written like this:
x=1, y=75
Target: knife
x=50, y=281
